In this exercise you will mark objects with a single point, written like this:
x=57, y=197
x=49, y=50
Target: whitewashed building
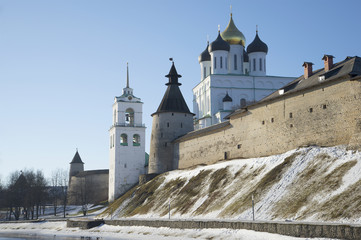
x=231, y=76
x=127, y=143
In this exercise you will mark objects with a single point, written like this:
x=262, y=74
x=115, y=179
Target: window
x=239, y=146
x=235, y=62
x=291, y=125
x=167, y=124
x=262, y=122
x=260, y=64
x=254, y=64
x=136, y=140
x=226, y=62
x=291, y=115
x=243, y=102
x=204, y=72
x=129, y=117
x=225, y=155
x=324, y=106
x=124, y=139
x=125, y=165
x=172, y=114
x=221, y=62
x=272, y=119
x=311, y=110
x=210, y=70
x=215, y=62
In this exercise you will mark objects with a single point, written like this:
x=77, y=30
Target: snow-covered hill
x=307, y=184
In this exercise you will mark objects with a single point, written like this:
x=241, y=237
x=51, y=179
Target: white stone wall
x=257, y=62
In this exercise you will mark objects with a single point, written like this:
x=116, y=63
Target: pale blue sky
x=62, y=63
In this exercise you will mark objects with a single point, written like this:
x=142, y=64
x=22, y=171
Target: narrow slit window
x=235, y=62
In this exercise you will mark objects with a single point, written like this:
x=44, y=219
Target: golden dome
x=232, y=35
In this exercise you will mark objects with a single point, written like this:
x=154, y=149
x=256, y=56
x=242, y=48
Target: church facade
x=232, y=76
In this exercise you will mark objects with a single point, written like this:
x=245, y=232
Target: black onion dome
x=219, y=44
x=205, y=56
x=257, y=45
x=227, y=98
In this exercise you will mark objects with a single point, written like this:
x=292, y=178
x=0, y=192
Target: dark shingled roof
x=76, y=158
x=173, y=100
x=349, y=68
x=219, y=44
x=205, y=56
x=257, y=45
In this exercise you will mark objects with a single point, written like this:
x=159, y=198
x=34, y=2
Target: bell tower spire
x=127, y=90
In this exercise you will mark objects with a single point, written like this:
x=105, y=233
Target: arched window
x=235, y=62
x=136, y=140
x=260, y=64
x=129, y=117
x=243, y=102
x=124, y=139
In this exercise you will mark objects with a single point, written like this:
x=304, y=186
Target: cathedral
x=232, y=76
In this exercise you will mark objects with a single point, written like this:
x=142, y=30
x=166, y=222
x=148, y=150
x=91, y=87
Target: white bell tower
x=127, y=143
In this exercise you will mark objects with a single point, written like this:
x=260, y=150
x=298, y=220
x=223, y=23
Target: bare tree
x=59, y=189
x=54, y=191
x=64, y=180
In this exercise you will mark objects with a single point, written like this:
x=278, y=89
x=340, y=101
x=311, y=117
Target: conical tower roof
x=76, y=158
x=232, y=35
x=173, y=100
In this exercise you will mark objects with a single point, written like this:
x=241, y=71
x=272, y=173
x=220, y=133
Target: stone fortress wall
x=327, y=114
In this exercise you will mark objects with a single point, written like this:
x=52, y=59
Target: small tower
x=205, y=61
x=127, y=143
x=257, y=51
x=218, y=50
x=76, y=165
x=171, y=120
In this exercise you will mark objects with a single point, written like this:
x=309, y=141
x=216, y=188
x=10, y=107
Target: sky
x=63, y=62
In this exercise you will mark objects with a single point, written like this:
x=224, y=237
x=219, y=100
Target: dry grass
x=258, y=189
x=313, y=181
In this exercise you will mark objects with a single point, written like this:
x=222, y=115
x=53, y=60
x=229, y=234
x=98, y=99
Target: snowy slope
x=307, y=184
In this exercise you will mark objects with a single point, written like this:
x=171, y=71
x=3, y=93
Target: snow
x=59, y=229
x=264, y=206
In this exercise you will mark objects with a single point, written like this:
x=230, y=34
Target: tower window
x=172, y=114
x=254, y=64
x=311, y=110
x=225, y=155
x=260, y=64
x=215, y=62
x=221, y=62
x=324, y=106
x=124, y=139
x=136, y=140
x=272, y=119
x=167, y=124
x=291, y=115
x=235, y=62
x=129, y=117
x=113, y=140
x=264, y=61
x=226, y=62
x=204, y=72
